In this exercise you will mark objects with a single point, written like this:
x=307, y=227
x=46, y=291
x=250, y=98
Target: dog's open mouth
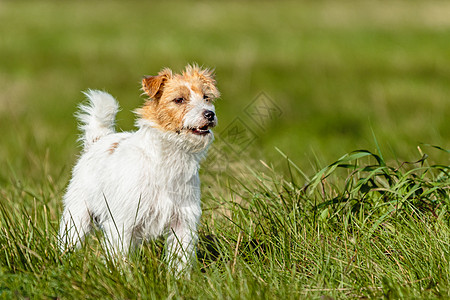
x=200, y=130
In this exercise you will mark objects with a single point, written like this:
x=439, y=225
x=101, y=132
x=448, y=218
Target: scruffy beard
x=191, y=142
x=183, y=139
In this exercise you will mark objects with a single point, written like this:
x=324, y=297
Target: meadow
x=329, y=176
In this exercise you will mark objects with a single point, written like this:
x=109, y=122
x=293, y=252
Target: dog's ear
x=152, y=85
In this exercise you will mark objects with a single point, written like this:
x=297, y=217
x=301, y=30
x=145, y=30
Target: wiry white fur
x=134, y=185
x=97, y=118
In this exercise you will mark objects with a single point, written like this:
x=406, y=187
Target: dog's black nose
x=209, y=115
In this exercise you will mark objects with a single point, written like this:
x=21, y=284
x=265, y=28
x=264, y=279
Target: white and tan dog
x=143, y=184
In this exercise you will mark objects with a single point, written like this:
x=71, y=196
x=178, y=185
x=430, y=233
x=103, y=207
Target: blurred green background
x=337, y=71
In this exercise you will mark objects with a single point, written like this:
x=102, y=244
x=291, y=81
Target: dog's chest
x=164, y=200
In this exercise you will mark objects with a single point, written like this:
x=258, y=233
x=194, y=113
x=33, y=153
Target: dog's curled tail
x=96, y=118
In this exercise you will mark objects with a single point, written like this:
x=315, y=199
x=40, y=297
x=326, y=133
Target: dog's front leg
x=182, y=240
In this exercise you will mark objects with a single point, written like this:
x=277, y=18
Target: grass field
x=293, y=208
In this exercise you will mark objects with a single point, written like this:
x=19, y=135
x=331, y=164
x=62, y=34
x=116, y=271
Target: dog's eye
x=206, y=97
x=178, y=100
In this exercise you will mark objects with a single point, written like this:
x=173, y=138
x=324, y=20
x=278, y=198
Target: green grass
x=340, y=75
x=382, y=231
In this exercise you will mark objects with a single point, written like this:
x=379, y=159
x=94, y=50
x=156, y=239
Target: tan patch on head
x=196, y=89
x=170, y=94
x=202, y=79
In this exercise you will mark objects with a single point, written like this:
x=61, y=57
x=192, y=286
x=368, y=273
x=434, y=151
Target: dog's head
x=181, y=103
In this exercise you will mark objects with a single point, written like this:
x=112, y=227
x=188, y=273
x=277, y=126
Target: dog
x=143, y=184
